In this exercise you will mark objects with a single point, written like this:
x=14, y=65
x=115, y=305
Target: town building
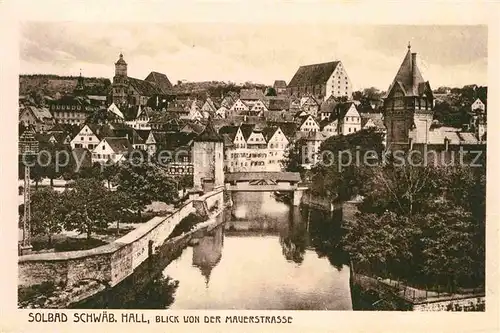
x=280, y=87
x=349, y=120
x=321, y=81
x=73, y=110
x=408, y=104
x=38, y=117
x=478, y=105
x=308, y=124
x=127, y=90
x=309, y=105
x=89, y=136
x=253, y=148
x=310, y=143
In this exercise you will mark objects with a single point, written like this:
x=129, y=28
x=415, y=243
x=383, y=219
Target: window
x=98, y=155
x=81, y=138
x=349, y=130
x=103, y=147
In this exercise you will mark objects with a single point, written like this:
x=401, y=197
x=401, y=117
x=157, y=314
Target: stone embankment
x=80, y=274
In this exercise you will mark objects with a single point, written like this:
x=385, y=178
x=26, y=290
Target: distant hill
x=50, y=84
x=214, y=88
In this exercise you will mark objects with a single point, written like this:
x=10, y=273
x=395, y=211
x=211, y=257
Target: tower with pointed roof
x=120, y=82
x=408, y=105
x=207, y=157
x=80, y=86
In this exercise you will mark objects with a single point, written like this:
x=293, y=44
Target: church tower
x=80, y=86
x=408, y=106
x=120, y=82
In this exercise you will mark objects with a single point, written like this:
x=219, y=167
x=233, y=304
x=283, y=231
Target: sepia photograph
x=252, y=166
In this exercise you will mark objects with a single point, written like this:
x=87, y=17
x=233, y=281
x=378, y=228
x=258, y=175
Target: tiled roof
x=131, y=134
x=409, y=77
x=161, y=82
x=313, y=74
x=269, y=132
x=247, y=130
x=342, y=108
x=251, y=94
x=438, y=136
x=279, y=84
x=326, y=122
x=277, y=104
x=143, y=87
x=328, y=106
x=209, y=134
x=278, y=116
x=377, y=119
x=311, y=136
x=119, y=145
x=41, y=114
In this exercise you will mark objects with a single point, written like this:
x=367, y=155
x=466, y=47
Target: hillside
x=214, y=88
x=52, y=84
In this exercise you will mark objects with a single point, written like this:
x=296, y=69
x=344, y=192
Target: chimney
x=414, y=67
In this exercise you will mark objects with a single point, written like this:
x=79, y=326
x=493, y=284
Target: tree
x=48, y=213
x=91, y=207
x=270, y=91
x=145, y=183
x=292, y=161
x=110, y=173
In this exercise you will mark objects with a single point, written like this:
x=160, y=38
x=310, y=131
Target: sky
x=260, y=52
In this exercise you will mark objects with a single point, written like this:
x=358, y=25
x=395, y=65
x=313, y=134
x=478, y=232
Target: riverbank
x=371, y=293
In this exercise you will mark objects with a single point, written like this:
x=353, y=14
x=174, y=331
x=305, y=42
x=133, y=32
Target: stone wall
x=109, y=263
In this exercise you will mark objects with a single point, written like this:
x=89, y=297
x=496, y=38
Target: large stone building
x=321, y=81
x=129, y=91
x=408, y=105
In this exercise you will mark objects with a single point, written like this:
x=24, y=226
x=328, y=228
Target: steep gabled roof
x=409, y=78
x=313, y=74
x=279, y=84
x=209, y=134
x=277, y=104
x=288, y=128
x=376, y=118
x=251, y=94
x=246, y=130
x=161, y=82
x=119, y=145
x=143, y=87
x=269, y=132
x=342, y=108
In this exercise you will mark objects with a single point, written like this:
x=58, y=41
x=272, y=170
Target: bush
x=77, y=244
x=45, y=288
x=186, y=225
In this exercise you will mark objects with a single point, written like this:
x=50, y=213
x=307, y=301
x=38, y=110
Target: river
x=266, y=256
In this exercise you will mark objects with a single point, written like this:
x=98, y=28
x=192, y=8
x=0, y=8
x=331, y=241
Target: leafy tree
x=91, y=207
x=145, y=182
x=292, y=161
x=270, y=91
x=110, y=173
x=48, y=213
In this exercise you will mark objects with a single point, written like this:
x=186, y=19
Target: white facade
x=256, y=154
x=276, y=146
x=85, y=139
x=331, y=129
x=351, y=122
x=478, y=104
x=339, y=84
x=103, y=153
x=239, y=106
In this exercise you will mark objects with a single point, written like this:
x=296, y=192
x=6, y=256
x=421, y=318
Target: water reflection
x=208, y=252
x=272, y=257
